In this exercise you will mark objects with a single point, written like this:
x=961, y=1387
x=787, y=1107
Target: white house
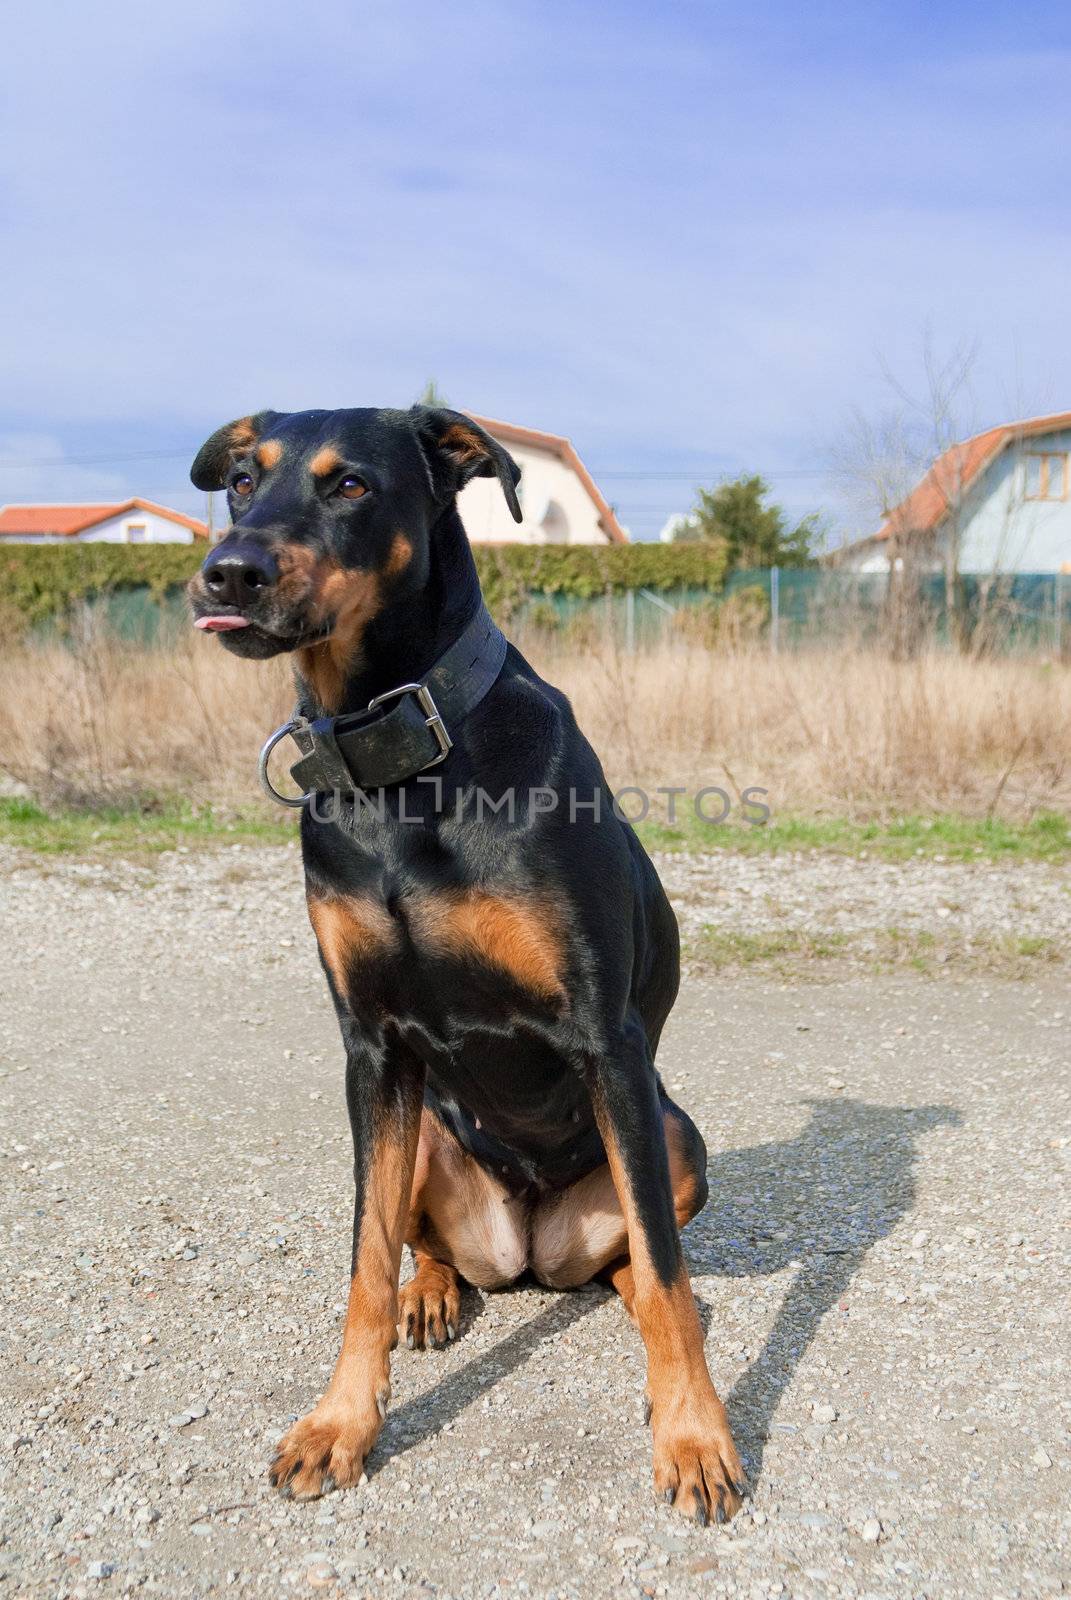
x=1003, y=497
x=129, y=522
x=559, y=497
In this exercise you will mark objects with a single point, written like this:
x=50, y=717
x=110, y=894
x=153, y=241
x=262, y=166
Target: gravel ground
x=882, y=1267
x=951, y=900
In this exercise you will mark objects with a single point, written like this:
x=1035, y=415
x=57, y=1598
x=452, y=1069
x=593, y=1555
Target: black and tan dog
x=501, y=972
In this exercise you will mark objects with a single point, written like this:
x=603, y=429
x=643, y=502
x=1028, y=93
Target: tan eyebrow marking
x=270, y=453
x=324, y=461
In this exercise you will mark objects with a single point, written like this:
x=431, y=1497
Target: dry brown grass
x=100, y=723
x=846, y=732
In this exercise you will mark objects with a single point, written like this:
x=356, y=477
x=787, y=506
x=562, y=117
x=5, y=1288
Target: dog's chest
x=413, y=950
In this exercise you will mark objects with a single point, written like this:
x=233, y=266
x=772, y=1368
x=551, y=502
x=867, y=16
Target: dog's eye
x=243, y=484
x=352, y=488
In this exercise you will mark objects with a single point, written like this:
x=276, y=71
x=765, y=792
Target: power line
x=700, y=472
x=621, y=474
x=96, y=461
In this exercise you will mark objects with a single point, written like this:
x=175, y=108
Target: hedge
x=38, y=581
x=510, y=573
x=42, y=581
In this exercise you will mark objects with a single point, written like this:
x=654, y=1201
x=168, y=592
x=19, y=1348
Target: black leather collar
x=403, y=732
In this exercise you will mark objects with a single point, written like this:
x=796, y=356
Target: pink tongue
x=220, y=624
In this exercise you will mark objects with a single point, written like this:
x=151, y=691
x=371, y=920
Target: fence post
x=630, y=620
x=657, y=601
x=775, y=609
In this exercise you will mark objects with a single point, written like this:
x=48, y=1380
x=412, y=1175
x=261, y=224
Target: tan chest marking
x=520, y=936
x=351, y=929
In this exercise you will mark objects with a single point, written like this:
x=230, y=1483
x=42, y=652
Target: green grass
x=129, y=832
x=720, y=948
x=957, y=838
x=798, y=952
x=168, y=824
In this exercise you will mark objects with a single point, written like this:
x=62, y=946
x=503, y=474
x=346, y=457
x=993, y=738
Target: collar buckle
x=360, y=751
x=432, y=719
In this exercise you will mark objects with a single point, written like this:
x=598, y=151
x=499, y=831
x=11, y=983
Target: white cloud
x=676, y=234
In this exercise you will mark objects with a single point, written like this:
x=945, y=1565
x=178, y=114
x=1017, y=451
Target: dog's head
x=332, y=516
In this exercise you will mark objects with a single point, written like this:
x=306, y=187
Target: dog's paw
x=696, y=1467
x=429, y=1308
x=325, y=1450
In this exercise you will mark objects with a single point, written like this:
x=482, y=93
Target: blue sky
x=688, y=235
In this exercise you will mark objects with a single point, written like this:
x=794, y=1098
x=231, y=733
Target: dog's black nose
x=236, y=574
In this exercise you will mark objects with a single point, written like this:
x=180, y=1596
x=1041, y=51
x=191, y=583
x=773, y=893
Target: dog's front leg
x=328, y=1448
x=696, y=1466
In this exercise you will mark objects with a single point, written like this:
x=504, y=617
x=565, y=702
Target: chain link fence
x=784, y=608
x=792, y=608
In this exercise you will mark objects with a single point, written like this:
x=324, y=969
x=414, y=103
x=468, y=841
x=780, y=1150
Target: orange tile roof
x=69, y=521
x=510, y=433
x=953, y=472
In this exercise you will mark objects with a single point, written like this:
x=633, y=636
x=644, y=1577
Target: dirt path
x=883, y=1269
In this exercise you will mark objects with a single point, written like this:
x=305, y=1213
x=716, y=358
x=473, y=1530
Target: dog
x=501, y=972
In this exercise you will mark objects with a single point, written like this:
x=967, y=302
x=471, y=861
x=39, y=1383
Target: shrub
x=39, y=582
x=743, y=616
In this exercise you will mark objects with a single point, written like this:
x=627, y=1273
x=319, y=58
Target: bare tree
x=908, y=469
x=913, y=469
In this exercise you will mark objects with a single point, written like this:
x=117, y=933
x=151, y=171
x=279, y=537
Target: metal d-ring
x=262, y=767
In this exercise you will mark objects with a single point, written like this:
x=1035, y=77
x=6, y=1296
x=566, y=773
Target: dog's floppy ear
x=213, y=460
x=459, y=449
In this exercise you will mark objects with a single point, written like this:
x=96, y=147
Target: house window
x=1046, y=475
x=136, y=532
x=555, y=524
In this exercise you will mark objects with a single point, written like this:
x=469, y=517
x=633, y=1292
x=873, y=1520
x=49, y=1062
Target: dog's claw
x=719, y=1515
x=701, y=1514
x=328, y=1484
x=451, y=1330
x=648, y=1407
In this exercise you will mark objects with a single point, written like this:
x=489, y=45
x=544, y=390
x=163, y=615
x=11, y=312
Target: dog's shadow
x=815, y=1202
